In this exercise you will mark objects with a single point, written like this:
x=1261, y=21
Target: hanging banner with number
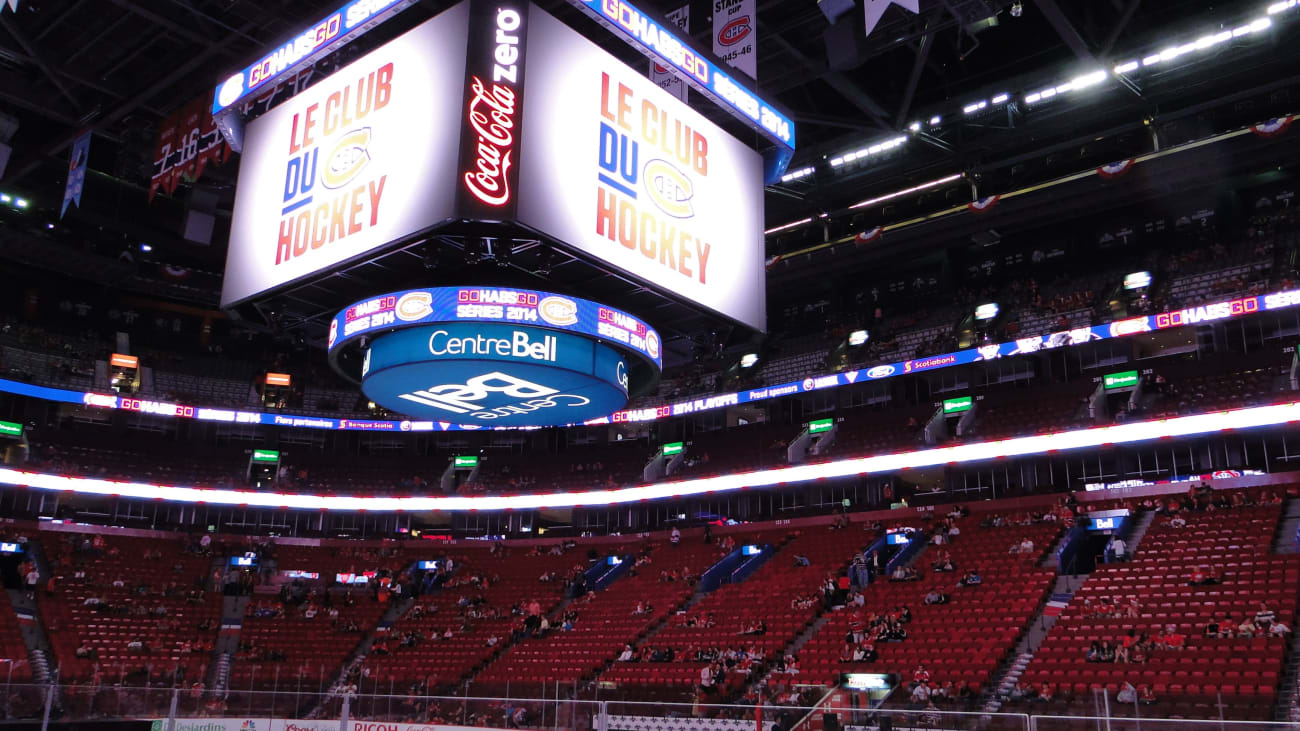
x=661, y=75
x=188, y=141
x=735, y=37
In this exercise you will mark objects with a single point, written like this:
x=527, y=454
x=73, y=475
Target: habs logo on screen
x=494, y=395
x=649, y=162
x=331, y=189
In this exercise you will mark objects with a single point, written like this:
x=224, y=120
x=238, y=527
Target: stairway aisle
x=1039, y=625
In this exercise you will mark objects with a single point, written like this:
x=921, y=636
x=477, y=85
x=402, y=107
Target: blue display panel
x=494, y=375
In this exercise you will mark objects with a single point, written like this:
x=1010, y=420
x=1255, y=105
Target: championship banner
x=76, y=173
x=734, y=40
x=661, y=75
x=188, y=141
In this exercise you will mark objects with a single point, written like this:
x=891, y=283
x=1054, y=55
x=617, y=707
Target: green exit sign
x=956, y=405
x=469, y=462
x=266, y=455
x=672, y=448
x=820, y=425
x=1123, y=379
x=10, y=429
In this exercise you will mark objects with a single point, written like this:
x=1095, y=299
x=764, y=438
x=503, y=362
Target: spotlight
x=430, y=257
x=544, y=261
x=503, y=248
x=1017, y=9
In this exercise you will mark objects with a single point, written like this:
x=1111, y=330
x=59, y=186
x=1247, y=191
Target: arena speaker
x=200, y=216
x=846, y=46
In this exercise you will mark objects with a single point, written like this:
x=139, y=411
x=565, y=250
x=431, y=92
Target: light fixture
x=905, y=191
x=748, y=360
x=1017, y=9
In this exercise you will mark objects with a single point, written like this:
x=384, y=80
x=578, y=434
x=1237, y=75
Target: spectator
x=1127, y=693
x=1118, y=549
x=935, y=597
x=1265, y=617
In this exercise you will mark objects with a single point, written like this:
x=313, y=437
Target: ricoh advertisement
x=360, y=160
x=625, y=173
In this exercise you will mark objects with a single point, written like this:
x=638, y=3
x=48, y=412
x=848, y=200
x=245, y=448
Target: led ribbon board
x=415, y=307
x=1128, y=433
x=305, y=48
x=384, y=305
x=661, y=44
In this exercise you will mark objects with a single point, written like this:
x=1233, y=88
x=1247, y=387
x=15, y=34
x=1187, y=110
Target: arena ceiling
x=117, y=67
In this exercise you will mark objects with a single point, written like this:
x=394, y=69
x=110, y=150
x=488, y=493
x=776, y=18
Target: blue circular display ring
x=357, y=330
x=494, y=375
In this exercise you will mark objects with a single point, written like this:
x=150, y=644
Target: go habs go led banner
x=319, y=39
x=354, y=163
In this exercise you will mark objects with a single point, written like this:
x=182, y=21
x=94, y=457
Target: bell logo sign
x=461, y=399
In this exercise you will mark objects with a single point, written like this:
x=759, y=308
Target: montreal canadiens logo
x=652, y=344
x=880, y=371
x=808, y=384
x=414, y=306
x=735, y=31
x=558, y=311
x=347, y=159
x=669, y=189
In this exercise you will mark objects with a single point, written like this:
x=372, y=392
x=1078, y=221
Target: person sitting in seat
x=1265, y=617
x=935, y=597
x=1127, y=693
x=971, y=578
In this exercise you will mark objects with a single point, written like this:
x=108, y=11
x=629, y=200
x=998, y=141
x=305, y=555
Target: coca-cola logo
x=492, y=117
x=734, y=32
x=492, y=111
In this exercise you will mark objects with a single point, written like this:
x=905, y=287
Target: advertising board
x=351, y=164
x=494, y=375
x=624, y=172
